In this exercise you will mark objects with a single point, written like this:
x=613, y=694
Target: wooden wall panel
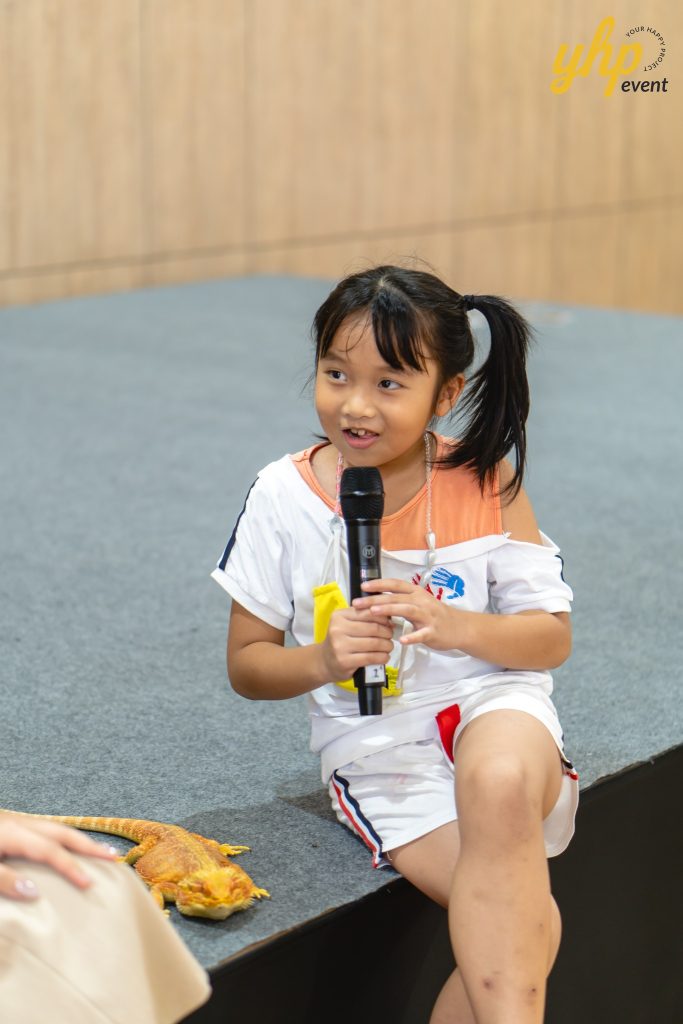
x=74, y=129
x=417, y=124
x=589, y=125
x=585, y=259
x=193, y=109
x=649, y=259
x=309, y=68
x=99, y=278
x=653, y=141
x=334, y=259
x=363, y=132
x=508, y=163
x=61, y=282
x=5, y=141
x=626, y=146
x=513, y=259
x=153, y=141
x=194, y=266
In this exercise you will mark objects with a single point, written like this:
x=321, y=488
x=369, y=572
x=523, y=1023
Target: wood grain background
x=154, y=141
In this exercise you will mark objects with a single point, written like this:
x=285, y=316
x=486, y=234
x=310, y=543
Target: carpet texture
x=132, y=428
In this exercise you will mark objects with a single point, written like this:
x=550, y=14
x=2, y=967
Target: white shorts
x=404, y=792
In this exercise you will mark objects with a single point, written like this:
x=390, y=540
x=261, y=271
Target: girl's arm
x=262, y=668
x=529, y=639
x=526, y=640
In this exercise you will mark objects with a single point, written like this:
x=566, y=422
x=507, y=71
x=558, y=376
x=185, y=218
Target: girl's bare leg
x=508, y=777
x=429, y=863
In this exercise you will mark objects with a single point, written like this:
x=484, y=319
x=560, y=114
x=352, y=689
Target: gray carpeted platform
x=132, y=427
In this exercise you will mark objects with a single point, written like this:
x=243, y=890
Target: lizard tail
x=128, y=828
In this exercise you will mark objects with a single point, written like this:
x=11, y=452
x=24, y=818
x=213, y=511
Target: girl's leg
x=429, y=863
x=508, y=776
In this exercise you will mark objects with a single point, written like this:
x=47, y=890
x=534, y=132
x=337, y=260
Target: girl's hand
x=435, y=624
x=355, y=639
x=47, y=842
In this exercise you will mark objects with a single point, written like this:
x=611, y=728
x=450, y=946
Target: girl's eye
x=335, y=374
x=389, y=385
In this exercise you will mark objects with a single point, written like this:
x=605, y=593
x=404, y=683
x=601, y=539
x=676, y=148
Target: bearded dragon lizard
x=180, y=867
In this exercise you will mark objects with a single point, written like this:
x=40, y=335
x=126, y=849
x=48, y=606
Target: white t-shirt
x=283, y=547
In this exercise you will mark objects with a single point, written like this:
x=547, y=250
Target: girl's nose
x=358, y=404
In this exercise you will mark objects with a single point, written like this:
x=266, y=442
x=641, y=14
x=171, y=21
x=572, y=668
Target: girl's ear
x=449, y=394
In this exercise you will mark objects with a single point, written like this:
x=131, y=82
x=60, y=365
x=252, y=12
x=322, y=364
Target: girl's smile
x=360, y=439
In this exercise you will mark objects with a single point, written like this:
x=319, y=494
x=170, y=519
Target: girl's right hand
x=355, y=639
x=47, y=842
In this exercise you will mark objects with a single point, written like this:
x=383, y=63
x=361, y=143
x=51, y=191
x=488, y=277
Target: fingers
x=48, y=843
x=418, y=609
x=14, y=887
x=387, y=586
x=392, y=609
x=357, y=622
x=404, y=601
x=355, y=640
x=377, y=647
x=343, y=664
x=419, y=636
x=78, y=842
x=385, y=595
x=369, y=615
x=367, y=624
x=45, y=846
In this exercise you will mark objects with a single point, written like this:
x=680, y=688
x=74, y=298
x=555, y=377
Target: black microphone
x=362, y=503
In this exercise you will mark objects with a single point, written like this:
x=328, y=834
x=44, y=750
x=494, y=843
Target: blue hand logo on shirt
x=443, y=578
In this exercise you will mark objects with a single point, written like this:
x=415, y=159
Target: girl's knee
x=507, y=765
x=499, y=793
x=496, y=779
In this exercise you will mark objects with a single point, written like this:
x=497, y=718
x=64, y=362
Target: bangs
x=398, y=331
x=397, y=327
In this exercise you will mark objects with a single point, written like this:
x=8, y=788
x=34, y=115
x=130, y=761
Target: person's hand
x=47, y=842
x=355, y=639
x=434, y=623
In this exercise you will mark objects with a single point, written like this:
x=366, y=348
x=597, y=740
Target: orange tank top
x=460, y=511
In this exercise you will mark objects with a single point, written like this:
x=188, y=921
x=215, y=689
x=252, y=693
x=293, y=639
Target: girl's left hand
x=434, y=623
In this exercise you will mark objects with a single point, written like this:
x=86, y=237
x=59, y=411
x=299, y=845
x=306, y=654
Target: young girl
x=461, y=784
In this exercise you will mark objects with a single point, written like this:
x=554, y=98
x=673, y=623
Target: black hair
x=415, y=315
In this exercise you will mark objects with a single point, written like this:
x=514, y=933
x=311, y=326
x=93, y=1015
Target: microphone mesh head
x=361, y=493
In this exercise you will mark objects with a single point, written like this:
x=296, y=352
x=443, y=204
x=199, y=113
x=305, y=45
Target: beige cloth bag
x=104, y=955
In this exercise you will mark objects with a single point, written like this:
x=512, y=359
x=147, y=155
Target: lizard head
x=216, y=892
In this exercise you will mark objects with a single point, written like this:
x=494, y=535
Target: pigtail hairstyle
x=415, y=316
x=496, y=400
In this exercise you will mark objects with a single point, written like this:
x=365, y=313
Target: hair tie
x=469, y=301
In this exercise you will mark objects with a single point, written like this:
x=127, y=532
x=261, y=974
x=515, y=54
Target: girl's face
x=373, y=414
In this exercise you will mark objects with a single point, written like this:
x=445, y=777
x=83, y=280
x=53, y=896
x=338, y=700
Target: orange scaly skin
x=179, y=867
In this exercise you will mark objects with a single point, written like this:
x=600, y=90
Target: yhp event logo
x=645, y=50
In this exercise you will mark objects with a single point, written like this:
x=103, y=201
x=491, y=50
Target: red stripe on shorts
x=448, y=721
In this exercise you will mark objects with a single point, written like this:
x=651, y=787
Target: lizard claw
x=232, y=851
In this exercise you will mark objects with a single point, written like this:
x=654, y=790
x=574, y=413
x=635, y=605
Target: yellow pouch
x=327, y=599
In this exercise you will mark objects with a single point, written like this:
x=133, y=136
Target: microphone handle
x=363, y=542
